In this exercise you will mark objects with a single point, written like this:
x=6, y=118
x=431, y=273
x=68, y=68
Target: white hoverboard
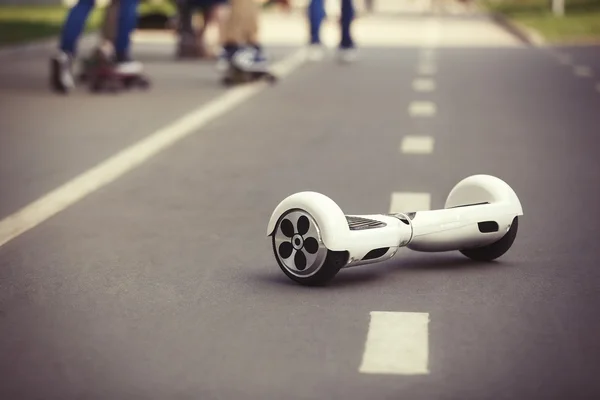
x=313, y=239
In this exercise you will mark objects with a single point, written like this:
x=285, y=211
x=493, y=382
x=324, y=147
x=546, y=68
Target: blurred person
x=284, y=4
x=241, y=36
x=191, y=42
x=124, y=15
x=316, y=15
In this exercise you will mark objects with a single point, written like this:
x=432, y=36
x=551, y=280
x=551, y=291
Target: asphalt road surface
x=161, y=284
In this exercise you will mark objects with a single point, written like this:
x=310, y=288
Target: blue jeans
x=77, y=18
x=316, y=15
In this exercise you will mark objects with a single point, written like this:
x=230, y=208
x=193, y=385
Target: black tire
x=496, y=249
x=334, y=261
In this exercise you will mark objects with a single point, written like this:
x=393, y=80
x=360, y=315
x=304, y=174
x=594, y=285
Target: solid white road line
x=583, y=71
x=423, y=85
x=397, y=343
x=422, y=109
x=417, y=145
x=408, y=201
x=131, y=157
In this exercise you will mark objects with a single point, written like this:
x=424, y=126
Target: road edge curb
x=526, y=35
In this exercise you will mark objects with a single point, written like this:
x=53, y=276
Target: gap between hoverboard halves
x=237, y=76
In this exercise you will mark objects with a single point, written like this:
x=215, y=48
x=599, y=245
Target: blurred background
x=555, y=20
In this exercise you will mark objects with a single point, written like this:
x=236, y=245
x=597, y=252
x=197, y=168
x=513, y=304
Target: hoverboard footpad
x=359, y=223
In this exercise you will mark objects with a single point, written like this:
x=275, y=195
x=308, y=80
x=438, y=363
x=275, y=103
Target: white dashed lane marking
x=397, y=343
x=422, y=109
x=417, y=145
x=423, y=85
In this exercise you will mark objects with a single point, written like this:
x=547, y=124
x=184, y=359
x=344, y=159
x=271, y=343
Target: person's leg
x=222, y=11
x=347, y=51
x=215, y=18
x=316, y=15
x=221, y=14
x=110, y=23
x=241, y=33
x=199, y=32
x=184, y=16
x=346, y=23
x=61, y=65
x=253, y=39
x=251, y=16
x=74, y=24
x=191, y=37
x=127, y=22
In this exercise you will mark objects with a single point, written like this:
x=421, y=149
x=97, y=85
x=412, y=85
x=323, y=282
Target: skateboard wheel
x=144, y=84
x=96, y=86
x=128, y=82
x=112, y=85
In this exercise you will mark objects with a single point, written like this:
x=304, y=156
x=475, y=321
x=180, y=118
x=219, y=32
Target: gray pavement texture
x=162, y=284
x=588, y=55
x=48, y=140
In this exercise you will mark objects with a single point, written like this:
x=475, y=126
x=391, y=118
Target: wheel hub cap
x=298, y=245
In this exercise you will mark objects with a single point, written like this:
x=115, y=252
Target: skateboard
x=99, y=73
x=236, y=76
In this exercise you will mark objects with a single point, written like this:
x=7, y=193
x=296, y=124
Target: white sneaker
x=129, y=68
x=61, y=73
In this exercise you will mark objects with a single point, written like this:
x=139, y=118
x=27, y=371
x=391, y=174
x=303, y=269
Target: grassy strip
x=23, y=24
x=581, y=21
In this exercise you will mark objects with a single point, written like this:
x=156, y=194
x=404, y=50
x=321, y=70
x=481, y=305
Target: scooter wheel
x=301, y=254
x=496, y=249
